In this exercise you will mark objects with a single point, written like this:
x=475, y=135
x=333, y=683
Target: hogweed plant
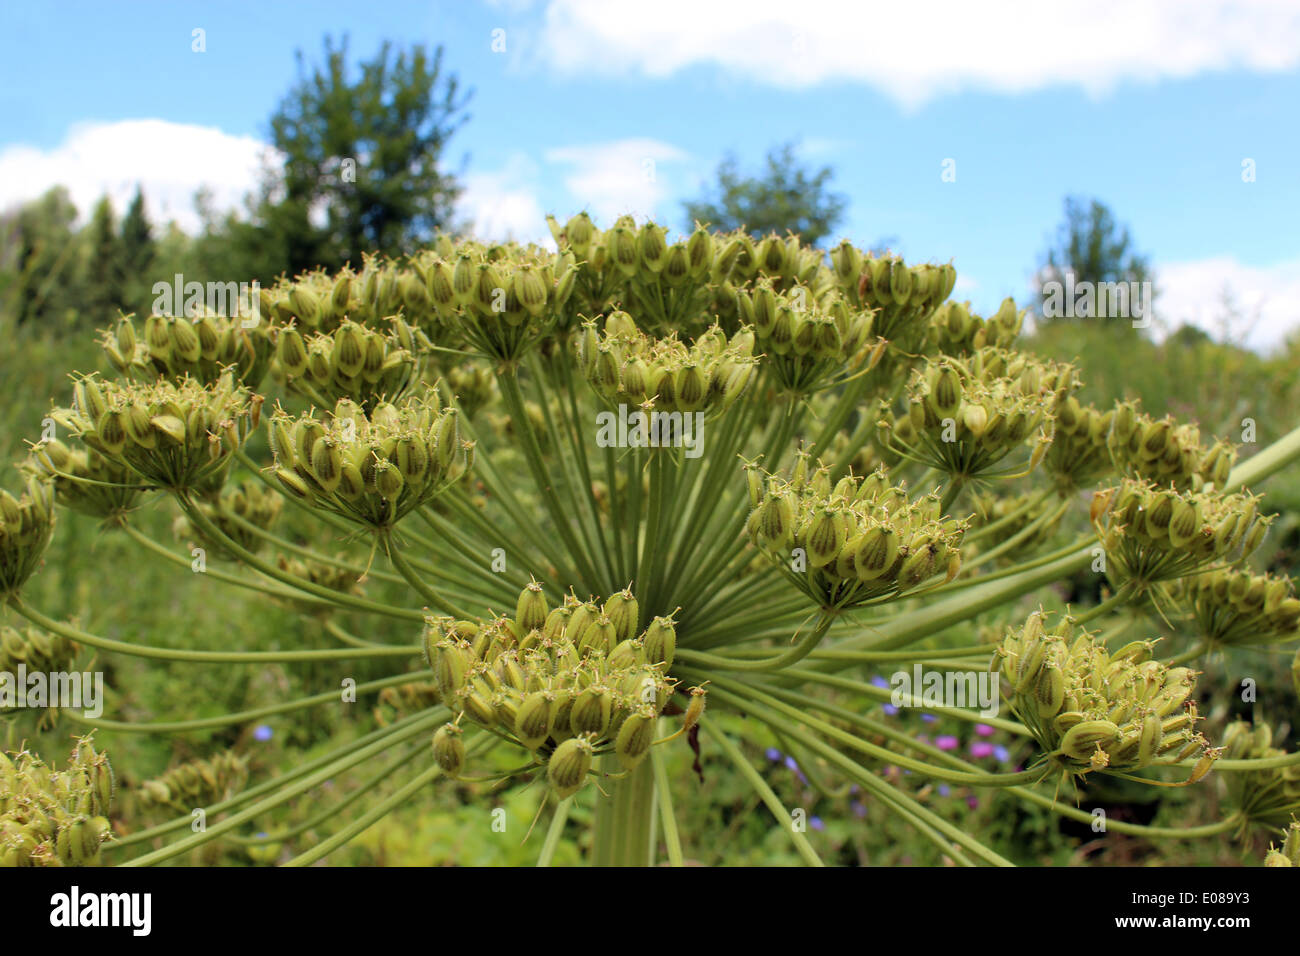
x=567, y=498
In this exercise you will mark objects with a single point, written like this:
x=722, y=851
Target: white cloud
x=504, y=205
x=170, y=161
x=607, y=179
x=1265, y=298
x=611, y=179
x=917, y=50
x=820, y=147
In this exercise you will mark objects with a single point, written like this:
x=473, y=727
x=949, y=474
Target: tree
x=103, y=272
x=361, y=161
x=43, y=261
x=1091, y=247
x=786, y=197
x=139, y=252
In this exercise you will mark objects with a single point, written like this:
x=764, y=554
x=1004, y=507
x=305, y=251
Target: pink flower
x=946, y=742
x=981, y=748
x=984, y=730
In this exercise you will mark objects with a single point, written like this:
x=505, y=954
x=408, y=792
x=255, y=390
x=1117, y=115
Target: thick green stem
x=625, y=820
x=405, y=570
x=1118, y=599
x=781, y=661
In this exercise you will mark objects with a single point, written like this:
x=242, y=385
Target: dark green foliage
x=1094, y=247
x=41, y=267
x=139, y=251
x=786, y=197
x=103, y=268
x=361, y=170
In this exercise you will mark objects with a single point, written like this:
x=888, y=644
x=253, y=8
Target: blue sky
x=1152, y=107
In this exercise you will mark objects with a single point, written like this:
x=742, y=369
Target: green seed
x=569, y=765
